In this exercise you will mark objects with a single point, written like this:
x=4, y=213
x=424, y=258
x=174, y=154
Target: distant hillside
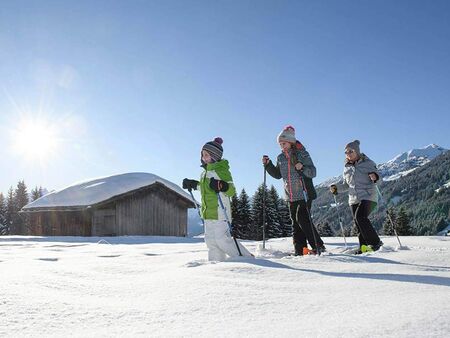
x=424, y=193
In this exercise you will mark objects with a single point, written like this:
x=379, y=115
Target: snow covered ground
x=164, y=287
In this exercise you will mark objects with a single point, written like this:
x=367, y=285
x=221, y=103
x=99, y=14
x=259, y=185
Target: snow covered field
x=155, y=286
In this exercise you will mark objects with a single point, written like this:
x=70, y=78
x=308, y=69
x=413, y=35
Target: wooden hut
x=126, y=204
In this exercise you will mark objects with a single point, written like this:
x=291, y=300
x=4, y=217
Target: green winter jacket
x=221, y=171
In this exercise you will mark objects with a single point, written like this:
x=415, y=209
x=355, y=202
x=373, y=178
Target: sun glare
x=35, y=139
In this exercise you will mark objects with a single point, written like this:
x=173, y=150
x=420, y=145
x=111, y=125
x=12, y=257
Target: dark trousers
x=367, y=234
x=302, y=229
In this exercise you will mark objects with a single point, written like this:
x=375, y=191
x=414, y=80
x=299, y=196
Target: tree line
x=12, y=221
x=248, y=218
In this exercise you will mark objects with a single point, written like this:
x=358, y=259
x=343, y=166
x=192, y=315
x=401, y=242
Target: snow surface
x=101, y=189
x=164, y=287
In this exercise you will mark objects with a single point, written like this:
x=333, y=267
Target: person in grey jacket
x=360, y=176
x=297, y=169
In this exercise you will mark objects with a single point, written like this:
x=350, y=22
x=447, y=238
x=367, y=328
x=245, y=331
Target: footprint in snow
x=48, y=259
x=200, y=262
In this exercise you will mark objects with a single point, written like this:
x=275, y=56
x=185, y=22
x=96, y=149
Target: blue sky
x=127, y=86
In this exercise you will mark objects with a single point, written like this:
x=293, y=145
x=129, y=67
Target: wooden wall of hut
x=60, y=223
x=155, y=212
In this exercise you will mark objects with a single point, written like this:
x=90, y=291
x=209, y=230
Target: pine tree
x=325, y=230
x=20, y=221
x=442, y=224
x=245, y=214
x=285, y=216
x=387, y=225
x=274, y=223
x=3, y=226
x=257, y=213
x=402, y=224
x=235, y=216
x=11, y=211
x=36, y=193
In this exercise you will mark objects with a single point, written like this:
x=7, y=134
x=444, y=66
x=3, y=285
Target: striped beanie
x=214, y=148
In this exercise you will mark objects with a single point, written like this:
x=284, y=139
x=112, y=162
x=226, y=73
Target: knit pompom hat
x=287, y=135
x=214, y=148
x=354, y=145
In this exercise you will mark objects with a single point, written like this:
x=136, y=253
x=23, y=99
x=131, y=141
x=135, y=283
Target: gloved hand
x=190, y=184
x=265, y=159
x=333, y=189
x=218, y=185
x=374, y=177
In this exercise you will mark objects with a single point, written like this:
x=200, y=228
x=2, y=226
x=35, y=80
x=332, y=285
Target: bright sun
x=35, y=139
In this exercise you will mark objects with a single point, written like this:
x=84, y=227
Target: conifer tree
x=274, y=222
x=387, y=226
x=402, y=223
x=11, y=211
x=325, y=230
x=36, y=193
x=245, y=214
x=20, y=221
x=257, y=213
x=442, y=224
x=235, y=216
x=285, y=216
x=3, y=226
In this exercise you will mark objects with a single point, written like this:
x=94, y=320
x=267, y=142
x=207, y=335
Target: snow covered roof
x=84, y=194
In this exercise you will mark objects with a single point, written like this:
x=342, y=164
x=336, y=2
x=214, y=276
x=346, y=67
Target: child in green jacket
x=214, y=181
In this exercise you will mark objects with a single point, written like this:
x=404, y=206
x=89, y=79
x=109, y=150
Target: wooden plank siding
x=60, y=223
x=154, y=210
x=153, y=213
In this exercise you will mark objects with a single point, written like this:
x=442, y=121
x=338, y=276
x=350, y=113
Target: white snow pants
x=220, y=243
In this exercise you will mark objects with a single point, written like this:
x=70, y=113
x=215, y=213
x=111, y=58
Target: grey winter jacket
x=356, y=178
x=285, y=169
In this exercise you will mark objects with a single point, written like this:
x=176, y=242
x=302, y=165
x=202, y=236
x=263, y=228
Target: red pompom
x=289, y=127
x=218, y=140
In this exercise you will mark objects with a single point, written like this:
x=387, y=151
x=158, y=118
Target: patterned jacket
x=285, y=168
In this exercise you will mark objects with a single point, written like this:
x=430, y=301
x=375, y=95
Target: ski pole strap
x=379, y=194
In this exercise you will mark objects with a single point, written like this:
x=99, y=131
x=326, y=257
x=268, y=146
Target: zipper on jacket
x=289, y=175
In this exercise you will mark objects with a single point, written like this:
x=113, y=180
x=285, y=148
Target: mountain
x=401, y=165
x=407, y=162
x=424, y=193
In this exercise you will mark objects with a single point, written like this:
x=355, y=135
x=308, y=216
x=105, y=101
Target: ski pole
x=335, y=192
x=388, y=215
x=229, y=223
x=305, y=196
x=264, y=208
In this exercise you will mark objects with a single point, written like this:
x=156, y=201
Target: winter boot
x=306, y=251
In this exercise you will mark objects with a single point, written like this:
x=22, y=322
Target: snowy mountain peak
x=429, y=152
x=408, y=161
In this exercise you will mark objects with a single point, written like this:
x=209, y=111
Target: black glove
x=218, y=185
x=333, y=189
x=190, y=184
